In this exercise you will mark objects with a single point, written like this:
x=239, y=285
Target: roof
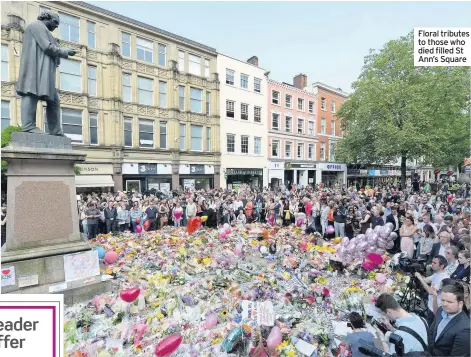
x=142, y=24
x=331, y=89
x=290, y=87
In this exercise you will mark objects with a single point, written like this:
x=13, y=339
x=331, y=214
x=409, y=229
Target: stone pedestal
x=43, y=222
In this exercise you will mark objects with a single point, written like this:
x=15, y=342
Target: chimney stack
x=253, y=60
x=300, y=81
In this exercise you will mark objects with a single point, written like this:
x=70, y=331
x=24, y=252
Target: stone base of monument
x=42, y=214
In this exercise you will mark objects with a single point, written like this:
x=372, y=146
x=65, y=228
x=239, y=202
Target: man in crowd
x=110, y=214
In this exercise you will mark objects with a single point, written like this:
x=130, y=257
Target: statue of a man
x=37, y=79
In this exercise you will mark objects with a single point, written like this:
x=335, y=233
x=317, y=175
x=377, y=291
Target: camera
x=411, y=266
x=380, y=325
x=373, y=351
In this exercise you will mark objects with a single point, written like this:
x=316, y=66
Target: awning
x=94, y=181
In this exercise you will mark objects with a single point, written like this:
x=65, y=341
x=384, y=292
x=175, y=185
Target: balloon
x=368, y=231
x=222, y=235
x=361, y=237
x=372, y=239
x=351, y=248
x=381, y=243
x=371, y=249
x=193, y=224
x=129, y=295
x=101, y=252
x=168, y=345
x=389, y=245
x=262, y=249
x=390, y=225
x=299, y=223
x=211, y=321
x=178, y=214
x=367, y=265
x=380, y=251
x=228, y=230
x=204, y=218
x=330, y=230
x=139, y=330
x=387, y=230
x=274, y=338
x=226, y=225
x=238, y=249
x=345, y=241
x=380, y=278
x=375, y=258
x=271, y=219
x=393, y=236
x=111, y=256
x=377, y=229
x=147, y=225
x=138, y=220
x=362, y=246
x=341, y=251
x=337, y=240
x=272, y=248
x=138, y=229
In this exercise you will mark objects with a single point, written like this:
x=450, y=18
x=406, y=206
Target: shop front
x=142, y=177
x=276, y=171
x=94, y=178
x=238, y=176
x=300, y=173
x=331, y=174
x=196, y=177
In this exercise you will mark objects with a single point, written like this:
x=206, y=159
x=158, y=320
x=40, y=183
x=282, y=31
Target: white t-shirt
x=436, y=281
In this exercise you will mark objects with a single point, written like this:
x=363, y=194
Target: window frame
x=182, y=142
x=290, y=102
x=64, y=123
x=91, y=80
x=310, y=151
x=273, y=97
x=257, y=149
x=127, y=43
x=298, y=156
x=322, y=152
x=255, y=81
x=228, y=75
x=190, y=62
x=208, y=139
x=165, y=134
x=89, y=32
x=333, y=106
x=195, y=99
x=323, y=125
x=323, y=103
x=181, y=98
x=277, y=142
x=301, y=101
x=148, y=122
x=278, y=121
x=208, y=103
x=244, y=78
x=288, y=119
x=90, y=128
x=162, y=94
x=288, y=152
x=145, y=90
x=7, y=62
x=310, y=128
x=228, y=105
x=257, y=119
x=63, y=23
x=207, y=68
x=9, y=114
x=311, y=107
x=196, y=137
x=233, y=138
x=242, y=137
x=128, y=120
x=127, y=75
x=300, y=121
x=333, y=128
x=181, y=60
x=244, y=111
x=159, y=53
x=79, y=62
x=145, y=49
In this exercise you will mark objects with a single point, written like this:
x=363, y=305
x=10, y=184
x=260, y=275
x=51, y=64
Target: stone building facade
x=140, y=102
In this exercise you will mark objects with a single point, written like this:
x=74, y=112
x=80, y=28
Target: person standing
x=136, y=215
x=123, y=218
x=92, y=215
x=340, y=217
x=177, y=215
x=151, y=213
x=190, y=210
x=111, y=214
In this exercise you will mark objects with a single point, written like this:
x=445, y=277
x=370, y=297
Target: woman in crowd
x=407, y=233
x=462, y=271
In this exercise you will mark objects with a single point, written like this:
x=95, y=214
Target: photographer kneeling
x=410, y=327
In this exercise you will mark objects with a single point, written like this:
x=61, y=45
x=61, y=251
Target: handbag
x=287, y=215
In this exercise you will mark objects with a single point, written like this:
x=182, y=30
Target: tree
x=6, y=139
x=401, y=111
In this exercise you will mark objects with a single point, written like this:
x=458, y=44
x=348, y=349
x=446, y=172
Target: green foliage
x=6, y=139
x=401, y=111
x=77, y=170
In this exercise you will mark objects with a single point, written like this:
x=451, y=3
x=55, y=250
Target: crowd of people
x=432, y=227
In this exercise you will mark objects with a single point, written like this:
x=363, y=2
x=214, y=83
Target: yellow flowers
x=371, y=275
x=207, y=261
x=353, y=290
x=286, y=275
x=197, y=242
x=182, y=251
x=291, y=353
x=321, y=280
x=160, y=316
x=324, y=249
x=216, y=341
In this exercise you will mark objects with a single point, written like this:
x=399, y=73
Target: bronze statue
x=39, y=59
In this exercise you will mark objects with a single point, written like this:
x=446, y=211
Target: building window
x=195, y=65
x=163, y=135
x=300, y=126
x=310, y=151
x=323, y=125
x=322, y=151
x=71, y=75
x=92, y=82
x=208, y=103
x=257, y=85
x=323, y=103
x=310, y=128
x=206, y=68
x=332, y=125
x=196, y=138
x=301, y=104
x=181, y=61
x=72, y=124
x=275, y=97
x=93, y=125
x=275, y=121
x=146, y=133
x=91, y=34
x=5, y=114
x=333, y=107
x=163, y=94
x=69, y=28
x=288, y=124
x=244, y=81
x=208, y=139
x=196, y=100
x=332, y=151
x=128, y=132
x=288, y=150
x=275, y=146
x=182, y=137
x=244, y=144
x=127, y=92
x=145, y=91
x=257, y=146
x=311, y=107
x=125, y=44
x=181, y=98
x=300, y=151
x=230, y=143
x=162, y=55
x=229, y=77
x=144, y=49
x=229, y=109
x=5, y=60
x=288, y=100
x=244, y=111
x=257, y=114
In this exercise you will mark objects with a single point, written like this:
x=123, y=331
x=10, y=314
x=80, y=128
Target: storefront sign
x=353, y=172
x=95, y=169
x=384, y=172
x=332, y=167
x=189, y=183
x=291, y=165
x=391, y=172
x=276, y=165
x=371, y=172
x=363, y=172
x=197, y=169
x=254, y=172
x=148, y=169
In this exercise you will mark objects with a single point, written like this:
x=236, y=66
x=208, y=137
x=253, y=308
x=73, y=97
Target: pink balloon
x=238, y=249
x=299, y=223
x=129, y=295
x=178, y=214
x=211, y=321
x=271, y=219
x=380, y=251
x=360, y=237
x=381, y=243
x=341, y=250
x=390, y=245
x=371, y=249
x=393, y=236
x=368, y=266
x=380, y=278
x=111, y=256
x=274, y=338
x=222, y=235
x=368, y=231
x=345, y=241
x=362, y=246
x=138, y=229
x=351, y=248
x=168, y=345
x=330, y=230
x=228, y=230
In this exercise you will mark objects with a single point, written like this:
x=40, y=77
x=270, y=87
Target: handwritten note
x=81, y=265
x=262, y=312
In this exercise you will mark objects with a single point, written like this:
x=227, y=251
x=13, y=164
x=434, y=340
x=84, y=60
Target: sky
x=325, y=40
